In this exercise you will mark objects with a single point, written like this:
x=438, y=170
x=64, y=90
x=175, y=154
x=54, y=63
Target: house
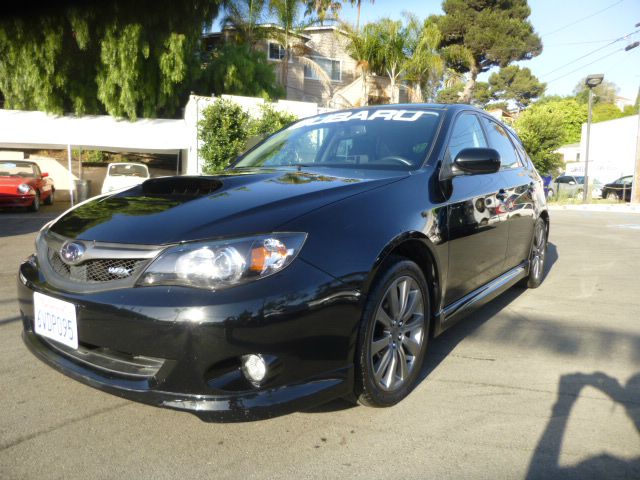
x=318, y=47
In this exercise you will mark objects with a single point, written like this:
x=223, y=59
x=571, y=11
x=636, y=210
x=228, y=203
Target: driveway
x=539, y=384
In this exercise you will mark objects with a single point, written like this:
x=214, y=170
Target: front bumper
x=16, y=200
x=180, y=347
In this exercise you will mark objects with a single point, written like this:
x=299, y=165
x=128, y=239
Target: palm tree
x=322, y=8
x=288, y=34
x=425, y=65
x=358, y=3
x=245, y=17
x=362, y=47
x=390, y=56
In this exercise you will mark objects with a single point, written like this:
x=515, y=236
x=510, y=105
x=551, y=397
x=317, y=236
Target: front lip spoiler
x=236, y=407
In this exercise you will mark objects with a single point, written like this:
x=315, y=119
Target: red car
x=22, y=184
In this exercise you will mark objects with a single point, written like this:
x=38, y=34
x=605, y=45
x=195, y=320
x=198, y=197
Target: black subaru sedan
x=316, y=266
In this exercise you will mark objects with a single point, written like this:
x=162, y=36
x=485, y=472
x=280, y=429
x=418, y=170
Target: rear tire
x=393, y=334
x=537, y=256
x=612, y=196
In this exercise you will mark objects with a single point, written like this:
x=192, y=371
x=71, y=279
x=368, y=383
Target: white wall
x=612, y=149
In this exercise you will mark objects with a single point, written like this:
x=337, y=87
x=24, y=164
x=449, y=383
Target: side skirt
x=451, y=314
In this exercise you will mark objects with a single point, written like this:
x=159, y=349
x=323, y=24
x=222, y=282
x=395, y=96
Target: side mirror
x=44, y=174
x=477, y=161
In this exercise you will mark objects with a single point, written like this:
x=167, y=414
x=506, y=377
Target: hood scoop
x=181, y=187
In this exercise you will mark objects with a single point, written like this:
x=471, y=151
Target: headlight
x=24, y=188
x=223, y=263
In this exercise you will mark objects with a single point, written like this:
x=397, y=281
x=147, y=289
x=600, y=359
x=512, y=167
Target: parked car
x=618, y=190
x=317, y=266
x=22, y=184
x=123, y=175
x=566, y=185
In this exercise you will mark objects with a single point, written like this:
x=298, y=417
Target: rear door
x=519, y=183
x=477, y=228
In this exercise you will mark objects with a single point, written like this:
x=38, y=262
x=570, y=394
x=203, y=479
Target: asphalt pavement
x=539, y=383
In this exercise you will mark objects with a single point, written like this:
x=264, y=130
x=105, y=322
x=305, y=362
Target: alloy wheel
x=539, y=250
x=398, y=334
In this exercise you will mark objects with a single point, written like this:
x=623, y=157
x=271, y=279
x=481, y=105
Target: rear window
x=383, y=138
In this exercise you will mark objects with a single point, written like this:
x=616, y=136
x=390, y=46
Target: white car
x=124, y=175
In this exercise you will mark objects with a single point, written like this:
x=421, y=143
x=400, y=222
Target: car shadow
x=545, y=461
x=440, y=347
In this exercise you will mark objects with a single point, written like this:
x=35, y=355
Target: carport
x=38, y=130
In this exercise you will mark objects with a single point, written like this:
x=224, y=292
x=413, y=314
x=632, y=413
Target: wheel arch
x=416, y=247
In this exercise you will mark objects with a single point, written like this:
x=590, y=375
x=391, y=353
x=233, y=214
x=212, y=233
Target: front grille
x=106, y=266
x=100, y=270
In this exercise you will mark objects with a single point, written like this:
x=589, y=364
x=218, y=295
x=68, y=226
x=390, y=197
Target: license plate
x=55, y=319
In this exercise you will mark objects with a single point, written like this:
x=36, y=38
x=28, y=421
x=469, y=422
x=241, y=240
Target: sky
x=570, y=29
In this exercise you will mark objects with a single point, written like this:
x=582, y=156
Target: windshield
x=128, y=170
x=17, y=169
x=357, y=139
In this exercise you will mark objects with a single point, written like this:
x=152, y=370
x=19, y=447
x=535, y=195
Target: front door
x=477, y=228
x=519, y=184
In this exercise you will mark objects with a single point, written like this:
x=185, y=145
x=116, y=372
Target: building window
x=331, y=68
x=276, y=51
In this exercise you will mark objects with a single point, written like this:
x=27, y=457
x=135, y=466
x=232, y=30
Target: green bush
x=224, y=132
x=270, y=121
x=90, y=156
x=225, y=128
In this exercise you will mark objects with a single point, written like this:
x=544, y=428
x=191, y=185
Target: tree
x=322, y=8
x=424, y=65
x=517, y=84
x=245, y=16
x=358, y=4
x=541, y=130
x=127, y=59
x=223, y=131
x=390, y=52
x=361, y=46
x=606, y=92
x=287, y=34
x=486, y=33
x=237, y=69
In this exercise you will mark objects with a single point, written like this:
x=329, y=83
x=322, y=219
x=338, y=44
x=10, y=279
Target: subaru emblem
x=71, y=252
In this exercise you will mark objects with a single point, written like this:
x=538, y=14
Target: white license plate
x=55, y=319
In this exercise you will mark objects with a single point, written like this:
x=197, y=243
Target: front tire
x=537, y=256
x=35, y=206
x=50, y=198
x=393, y=334
x=613, y=196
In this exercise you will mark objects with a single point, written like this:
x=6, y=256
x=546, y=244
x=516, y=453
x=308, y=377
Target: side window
x=466, y=133
x=499, y=139
x=626, y=180
x=524, y=159
x=562, y=180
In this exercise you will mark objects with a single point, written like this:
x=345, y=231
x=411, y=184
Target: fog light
x=254, y=367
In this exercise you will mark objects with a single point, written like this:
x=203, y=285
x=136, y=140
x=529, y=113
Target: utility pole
x=591, y=81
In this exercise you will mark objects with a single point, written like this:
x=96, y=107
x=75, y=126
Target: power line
x=625, y=37
x=579, y=43
x=587, y=64
x=582, y=19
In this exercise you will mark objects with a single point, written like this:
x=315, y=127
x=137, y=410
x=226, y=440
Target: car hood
x=14, y=181
x=174, y=209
